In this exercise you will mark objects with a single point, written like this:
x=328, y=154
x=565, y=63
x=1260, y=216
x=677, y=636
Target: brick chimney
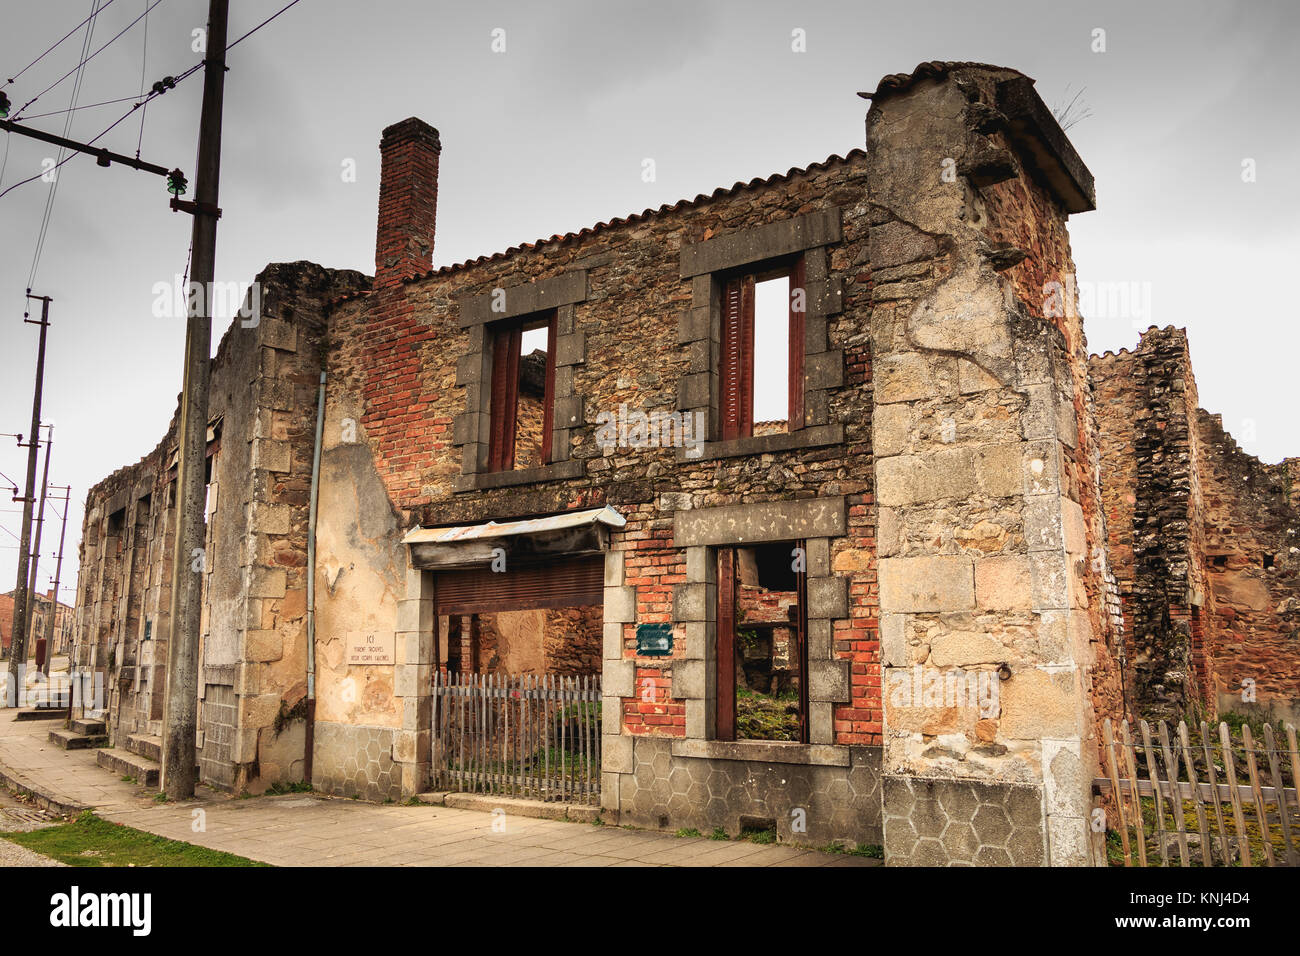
x=408, y=200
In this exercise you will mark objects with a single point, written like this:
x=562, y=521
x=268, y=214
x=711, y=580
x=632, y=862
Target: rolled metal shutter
x=576, y=582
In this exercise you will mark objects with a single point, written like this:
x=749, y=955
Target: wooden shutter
x=737, y=372
x=725, y=712
x=575, y=582
x=799, y=298
x=548, y=399
x=506, y=343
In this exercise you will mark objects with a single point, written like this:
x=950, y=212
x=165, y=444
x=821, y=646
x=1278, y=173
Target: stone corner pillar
x=985, y=625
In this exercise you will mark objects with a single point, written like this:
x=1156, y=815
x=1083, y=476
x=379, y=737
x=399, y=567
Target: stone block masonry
x=1203, y=539
x=992, y=527
x=979, y=474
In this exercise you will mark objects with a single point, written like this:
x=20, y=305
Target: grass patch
x=280, y=789
x=719, y=834
x=127, y=778
x=688, y=832
x=763, y=717
x=90, y=841
x=160, y=797
x=871, y=851
x=758, y=836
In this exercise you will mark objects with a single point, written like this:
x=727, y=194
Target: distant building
x=64, y=622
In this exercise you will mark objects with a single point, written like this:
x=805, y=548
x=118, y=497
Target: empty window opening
x=762, y=643
x=762, y=352
x=523, y=388
x=771, y=355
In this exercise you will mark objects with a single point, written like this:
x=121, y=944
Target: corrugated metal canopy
x=505, y=529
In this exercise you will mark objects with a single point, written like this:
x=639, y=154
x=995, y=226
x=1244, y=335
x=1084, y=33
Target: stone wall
x=1202, y=541
x=1147, y=401
x=252, y=647
x=985, y=474
x=1252, y=559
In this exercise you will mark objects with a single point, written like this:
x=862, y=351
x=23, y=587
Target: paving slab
x=314, y=830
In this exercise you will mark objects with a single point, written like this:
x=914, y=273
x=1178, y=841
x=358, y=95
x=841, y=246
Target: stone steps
x=124, y=763
x=145, y=745
x=89, y=725
x=74, y=740
x=43, y=713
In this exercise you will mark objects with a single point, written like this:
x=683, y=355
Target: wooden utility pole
x=180, y=708
x=54, y=604
x=18, y=646
x=34, y=595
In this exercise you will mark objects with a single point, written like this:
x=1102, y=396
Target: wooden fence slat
x=1253, y=770
x=1283, y=811
x=1238, y=817
x=1176, y=798
x=1295, y=766
x=1216, y=802
x=1130, y=762
x=1116, y=793
x=1201, y=820
x=1154, y=776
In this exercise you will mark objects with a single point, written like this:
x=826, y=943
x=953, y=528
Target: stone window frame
x=472, y=428
x=700, y=328
x=817, y=522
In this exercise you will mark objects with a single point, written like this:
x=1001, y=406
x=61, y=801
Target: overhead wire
x=86, y=59
x=96, y=6
x=153, y=94
x=11, y=79
x=144, y=60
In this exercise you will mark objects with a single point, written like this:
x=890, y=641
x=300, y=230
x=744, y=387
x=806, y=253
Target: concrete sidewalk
x=309, y=830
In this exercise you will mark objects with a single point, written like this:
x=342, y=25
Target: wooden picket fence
x=1185, y=802
x=534, y=737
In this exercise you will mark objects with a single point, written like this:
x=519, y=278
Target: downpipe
x=311, y=586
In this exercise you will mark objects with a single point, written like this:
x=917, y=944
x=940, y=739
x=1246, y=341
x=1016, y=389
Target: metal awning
x=571, y=533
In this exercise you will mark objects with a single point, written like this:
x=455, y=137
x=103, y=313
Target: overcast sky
x=551, y=134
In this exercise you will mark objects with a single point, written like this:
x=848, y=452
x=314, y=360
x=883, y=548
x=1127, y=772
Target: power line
x=55, y=44
x=86, y=59
x=144, y=60
x=154, y=93
x=260, y=25
x=67, y=125
x=158, y=90
x=87, y=106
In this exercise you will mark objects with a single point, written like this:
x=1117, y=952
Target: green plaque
x=654, y=640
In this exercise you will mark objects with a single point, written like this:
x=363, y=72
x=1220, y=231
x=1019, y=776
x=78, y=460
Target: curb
x=43, y=797
x=484, y=803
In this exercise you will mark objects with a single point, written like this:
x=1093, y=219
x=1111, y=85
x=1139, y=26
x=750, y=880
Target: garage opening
x=516, y=697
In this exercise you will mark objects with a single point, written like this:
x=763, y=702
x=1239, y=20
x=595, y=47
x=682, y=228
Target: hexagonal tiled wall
x=351, y=760
x=934, y=822
x=840, y=803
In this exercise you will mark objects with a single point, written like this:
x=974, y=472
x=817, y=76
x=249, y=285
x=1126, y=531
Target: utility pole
x=54, y=605
x=18, y=647
x=180, y=707
x=34, y=596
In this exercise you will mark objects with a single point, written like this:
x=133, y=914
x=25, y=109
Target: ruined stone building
x=902, y=543
x=63, y=621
